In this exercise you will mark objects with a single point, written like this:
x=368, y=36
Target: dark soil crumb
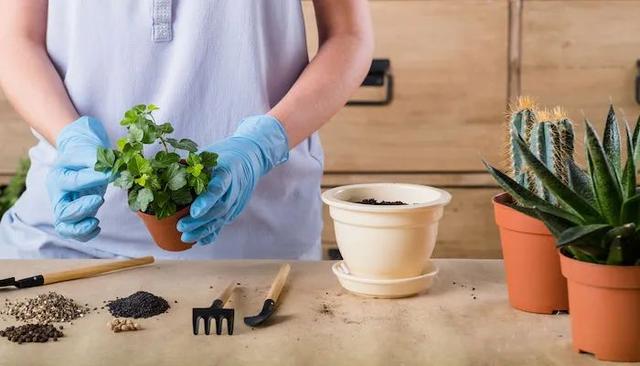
x=175, y=301
x=210, y=287
x=237, y=283
x=326, y=310
x=373, y=201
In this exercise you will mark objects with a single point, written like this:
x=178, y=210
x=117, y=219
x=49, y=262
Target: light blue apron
x=207, y=64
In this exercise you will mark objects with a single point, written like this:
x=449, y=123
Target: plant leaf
x=176, y=177
x=587, y=234
x=209, y=159
x=556, y=225
x=136, y=134
x=630, y=211
x=144, y=198
x=636, y=141
x=163, y=159
x=611, y=141
x=582, y=254
x=138, y=165
x=578, y=204
x=526, y=198
x=183, y=144
x=629, y=172
x=105, y=159
x=605, y=183
x=580, y=182
x=124, y=180
x=615, y=256
x=182, y=197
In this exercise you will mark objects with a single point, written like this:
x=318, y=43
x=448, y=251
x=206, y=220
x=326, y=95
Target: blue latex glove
x=259, y=144
x=76, y=190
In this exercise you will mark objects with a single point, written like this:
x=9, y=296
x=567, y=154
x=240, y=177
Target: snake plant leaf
x=580, y=182
x=622, y=231
x=615, y=256
x=556, y=225
x=630, y=210
x=528, y=199
x=587, y=234
x=629, y=172
x=605, y=182
x=636, y=141
x=611, y=141
x=588, y=254
x=578, y=204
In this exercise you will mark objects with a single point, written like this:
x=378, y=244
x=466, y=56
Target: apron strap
x=162, y=30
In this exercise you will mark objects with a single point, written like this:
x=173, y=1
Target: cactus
x=549, y=135
x=595, y=217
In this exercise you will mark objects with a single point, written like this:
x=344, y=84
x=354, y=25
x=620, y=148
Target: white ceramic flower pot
x=386, y=242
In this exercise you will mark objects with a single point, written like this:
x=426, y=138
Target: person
x=232, y=75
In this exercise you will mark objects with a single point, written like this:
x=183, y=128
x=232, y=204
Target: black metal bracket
x=379, y=76
x=638, y=83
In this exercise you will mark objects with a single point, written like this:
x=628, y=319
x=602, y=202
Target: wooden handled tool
x=216, y=312
x=269, y=306
x=74, y=274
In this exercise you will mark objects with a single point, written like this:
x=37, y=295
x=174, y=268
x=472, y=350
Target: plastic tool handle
x=85, y=272
x=226, y=294
x=278, y=282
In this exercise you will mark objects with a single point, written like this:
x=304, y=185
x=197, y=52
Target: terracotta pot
x=164, y=232
x=531, y=262
x=605, y=309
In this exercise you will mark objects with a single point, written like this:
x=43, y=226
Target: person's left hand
x=259, y=144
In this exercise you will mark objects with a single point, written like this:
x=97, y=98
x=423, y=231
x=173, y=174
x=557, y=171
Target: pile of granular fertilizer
x=45, y=308
x=29, y=333
x=142, y=304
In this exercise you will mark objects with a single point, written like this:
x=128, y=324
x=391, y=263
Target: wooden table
x=318, y=322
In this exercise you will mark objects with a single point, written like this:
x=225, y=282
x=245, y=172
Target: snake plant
x=594, y=215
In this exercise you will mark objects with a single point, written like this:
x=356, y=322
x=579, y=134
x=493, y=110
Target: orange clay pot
x=531, y=262
x=605, y=309
x=164, y=232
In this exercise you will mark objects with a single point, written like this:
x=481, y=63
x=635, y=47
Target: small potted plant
x=160, y=188
x=534, y=280
x=596, y=227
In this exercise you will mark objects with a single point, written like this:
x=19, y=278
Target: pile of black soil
x=141, y=304
x=30, y=333
x=373, y=201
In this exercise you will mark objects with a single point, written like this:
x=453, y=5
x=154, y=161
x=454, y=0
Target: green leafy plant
x=159, y=185
x=10, y=194
x=595, y=214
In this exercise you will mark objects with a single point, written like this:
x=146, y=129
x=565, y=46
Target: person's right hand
x=76, y=190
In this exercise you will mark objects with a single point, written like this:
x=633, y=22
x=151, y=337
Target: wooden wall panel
x=582, y=55
x=449, y=61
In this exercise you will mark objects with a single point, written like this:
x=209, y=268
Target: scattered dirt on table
x=326, y=309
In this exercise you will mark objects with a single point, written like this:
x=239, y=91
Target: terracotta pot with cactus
x=596, y=224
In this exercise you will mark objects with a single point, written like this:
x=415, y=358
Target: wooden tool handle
x=226, y=294
x=278, y=282
x=85, y=272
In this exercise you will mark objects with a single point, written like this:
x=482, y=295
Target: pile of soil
x=141, y=304
x=373, y=201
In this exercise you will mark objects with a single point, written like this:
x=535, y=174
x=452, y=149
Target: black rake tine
x=218, y=325
x=207, y=325
x=196, y=324
x=230, y=326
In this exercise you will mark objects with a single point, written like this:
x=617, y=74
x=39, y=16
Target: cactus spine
x=550, y=137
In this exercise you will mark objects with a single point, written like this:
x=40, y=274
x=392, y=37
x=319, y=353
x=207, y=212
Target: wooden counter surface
x=318, y=323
